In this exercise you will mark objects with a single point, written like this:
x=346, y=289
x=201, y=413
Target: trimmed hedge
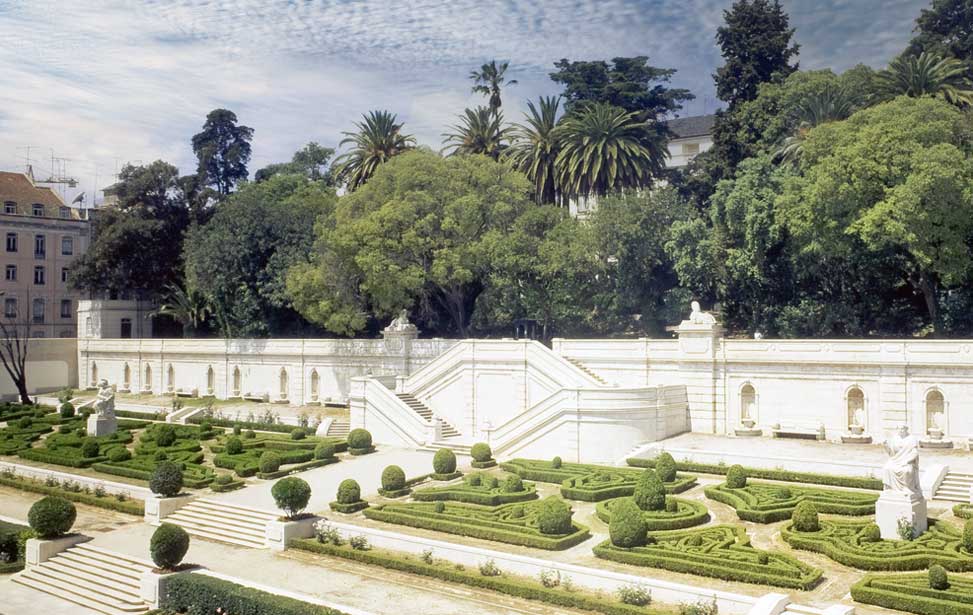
x=687, y=514
x=589, y=483
x=963, y=511
x=769, y=503
x=200, y=593
x=51, y=517
x=781, y=475
x=348, y=499
x=722, y=552
x=254, y=425
x=912, y=593
x=484, y=495
x=128, y=506
x=294, y=469
x=168, y=545
x=10, y=534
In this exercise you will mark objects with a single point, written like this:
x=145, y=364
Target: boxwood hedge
x=198, y=593
x=768, y=503
x=586, y=482
x=484, y=495
x=911, y=592
x=813, y=478
x=687, y=514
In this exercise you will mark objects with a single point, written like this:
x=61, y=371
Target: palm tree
x=605, y=149
x=187, y=307
x=378, y=139
x=832, y=104
x=489, y=80
x=536, y=146
x=927, y=74
x=481, y=132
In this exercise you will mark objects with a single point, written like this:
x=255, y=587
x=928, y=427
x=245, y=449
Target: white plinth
x=893, y=506
x=278, y=533
x=158, y=508
x=39, y=550
x=102, y=425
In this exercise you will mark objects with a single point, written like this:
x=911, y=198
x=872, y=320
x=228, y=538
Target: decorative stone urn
x=748, y=423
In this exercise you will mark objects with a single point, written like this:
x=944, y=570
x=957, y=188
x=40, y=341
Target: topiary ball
x=393, y=478
x=650, y=493
x=168, y=545
x=89, y=448
x=439, y=507
x=967, y=540
x=51, y=517
x=269, y=462
x=360, y=439
x=166, y=479
x=736, y=477
x=348, y=492
x=160, y=456
x=805, y=518
x=165, y=435
x=554, y=516
x=474, y=479
x=119, y=454
x=24, y=422
x=672, y=505
x=291, y=495
x=556, y=463
x=871, y=533
x=325, y=450
x=223, y=479
x=67, y=410
x=512, y=484
x=627, y=527
x=298, y=434
x=237, y=430
x=444, y=461
x=665, y=467
x=938, y=578
x=250, y=434
x=481, y=452
x=234, y=445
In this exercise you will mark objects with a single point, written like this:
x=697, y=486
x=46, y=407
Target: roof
x=20, y=189
x=695, y=126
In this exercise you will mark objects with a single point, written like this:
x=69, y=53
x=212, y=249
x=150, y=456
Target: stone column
x=399, y=336
x=700, y=342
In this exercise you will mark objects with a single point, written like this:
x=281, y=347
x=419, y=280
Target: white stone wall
x=52, y=365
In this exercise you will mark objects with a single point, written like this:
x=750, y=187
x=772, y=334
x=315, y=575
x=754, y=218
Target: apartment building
x=42, y=237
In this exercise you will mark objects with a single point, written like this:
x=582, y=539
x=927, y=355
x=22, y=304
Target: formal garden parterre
x=768, y=503
x=916, y=593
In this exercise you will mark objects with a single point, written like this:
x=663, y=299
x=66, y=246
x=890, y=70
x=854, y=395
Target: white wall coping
x=283, y=592
x=111, y=487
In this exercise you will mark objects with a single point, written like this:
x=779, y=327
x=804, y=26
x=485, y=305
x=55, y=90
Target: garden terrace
x=280, y=442
x=514, y=524
x=911, y=592
x=768, y=503
x=66, y=449
x=687, y=514
x=588, y=483
x=722, y=551
x=490, y=492
x=849, y=543
x=812, y=478
x=141, y=467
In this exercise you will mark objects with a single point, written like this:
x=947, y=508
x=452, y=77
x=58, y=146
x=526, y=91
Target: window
x=40, y=246
x=67, y=246
x=10, y=307
x=66, y=308
x=65, y=212
x=11, y=273
x=39, y=276
x=690, y=149
x=64, y=274
x=38, y=310
x=126, y=329
x=38, y=209
x=11, y=242
x=9, y=207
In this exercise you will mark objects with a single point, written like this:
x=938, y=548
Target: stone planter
x=40, y=550
x=152, y=586
x=158, y=508
x=280, y=532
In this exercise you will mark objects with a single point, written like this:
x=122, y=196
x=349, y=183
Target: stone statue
x=900, y=474
x=699, y=317
x=104, y=405
x=401, y=323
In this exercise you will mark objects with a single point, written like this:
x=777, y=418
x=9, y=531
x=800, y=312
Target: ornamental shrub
x=119, y=454
x=650, y=493
x=325, y=450
x=474, y=479
x=444, y=462
x=671, y=505
x=160, y=456
x=512, y=484
x=556, y=463
x=627, y=527
x=250, y=434
x=967, y=541
x=665, y=466
x=269, y=462
x=291, y=495
x=481, y=452
x=234, y=445
x=24, y=422
x=168, y=545
x=67, y=410
x=439, y=507
x=89, y=447
x=736, y=477
x=166, y=479
x=165, y=435
x=237, y=430
x=223, y=479
x=554, y=516
x=348, y=492
x=393, y=478
x=298, y=434
x=937, y=577
x=805, y=518
x=51, y=517
x=360, y=439
x=871, y=533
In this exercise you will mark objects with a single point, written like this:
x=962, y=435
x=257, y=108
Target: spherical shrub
x=627, y=527
x=298, y=434
x=237, y=430
x=166, y=479
x=444, y=462
x=783, y=494
x=967, y=541
x=871, y=533
x=348, y=492
x=119, y=454
x=51, y=517
x=762, y=558
x=205, y=426
x=250, y=434
x=805, y=518
x=165, y=435
x=360, y=439
x=439, y=507
x=325, y=450
x=665, y=467
x=64, y=429
x=650, y=493
x=234, y=445
x=556, y=463
x=937, y=577
x=223, y=479
x=160, y=456
x=554, y=516
x=672, y=505
x=512, y=484
x=393, y=478
x=67, y=410
x=168, y=545
x=481, y=452
x=81, y=432
x=291, y=495
x=269, y=462
x=474, y=479
x=736, y=477
x=24, y=422
x=89, y=447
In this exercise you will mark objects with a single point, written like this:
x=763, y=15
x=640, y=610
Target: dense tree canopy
x=223, y=151
x=311, y=161
x=946, y=29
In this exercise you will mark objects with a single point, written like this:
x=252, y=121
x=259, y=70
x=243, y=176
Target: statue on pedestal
x=698, y=317
x=105, y=400
x=901, y=507
x=900, y=474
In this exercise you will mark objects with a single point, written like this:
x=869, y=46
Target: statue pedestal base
x=892, y=506
x=102, y=425
x=856, y=438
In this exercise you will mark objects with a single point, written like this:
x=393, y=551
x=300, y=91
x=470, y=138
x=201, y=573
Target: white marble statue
x=401, y=323
x=104, y=405
x=900, y=474
x=699, y=317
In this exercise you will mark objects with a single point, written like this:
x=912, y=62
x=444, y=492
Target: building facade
x=691, y=136
x=42, y=237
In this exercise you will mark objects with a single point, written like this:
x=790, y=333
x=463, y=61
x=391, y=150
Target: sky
x=99, y=83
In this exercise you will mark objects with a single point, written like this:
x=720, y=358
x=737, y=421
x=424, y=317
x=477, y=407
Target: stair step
x=255, y=536
x=118, y=557
x=217, y=505
x=78, y=570
x=218, y=537
x=211, y=517
x=72, y=558
x=99, y=589
x=63, y=590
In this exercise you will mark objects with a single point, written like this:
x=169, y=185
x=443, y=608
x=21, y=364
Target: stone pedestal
x=892, y=506
x=279, y=533
x=856, y=438
x=152, y=587
x=747, y=432
x=99, y=425
x=38, y=551
x=158, y=508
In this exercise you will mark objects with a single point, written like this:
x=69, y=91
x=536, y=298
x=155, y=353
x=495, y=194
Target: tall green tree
x=946, y=29
x=188, y=307
x=490, y=81
x=535, y=148
x=832, y=104
x=311, y=161
x=927, y=74
x=480, y=131
x=223, y=151
x=379, y=138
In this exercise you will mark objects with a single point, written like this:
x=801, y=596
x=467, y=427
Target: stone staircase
x=955, y=488
x=222, y=522
x=423, y=410
x=339, y=428
x=91, y=577
x=582, y=367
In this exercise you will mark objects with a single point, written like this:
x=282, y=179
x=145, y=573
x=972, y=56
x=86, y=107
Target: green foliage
x=291, y=495
x=938, y=578
x=310, y=162
x=805, y=517
x=444, y=461
x=586, y=482
x=912, y=593
x=348, y=492
x=481, y=452
x=736, y=477
x=191, y=593
x=968, y=536
x=480, y=132
x=927, y=74
x=677, y=514
x=298, y=434
x=89, y=447
x=67, y=410
x=379, y=138
x=119, y=454
x=270, y=461
x=767, y=503
x=168, y=545
x=636, y=595
x=167, y=479
x=51, y=517
x=650, y=493
x=627, y=528
x=665, y=467
x=117, y=503
x=946, y=28
x=556, y=463
x=871, y=533
x=234, y=446
x=359, y=439
x=393, y=478
x=554, y=516
x=324, y=450
x=480, y=490
x=787, y=476
x=223, y=150
x=165, y=435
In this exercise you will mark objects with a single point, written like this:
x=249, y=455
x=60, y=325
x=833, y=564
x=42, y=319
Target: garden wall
x=52, y=364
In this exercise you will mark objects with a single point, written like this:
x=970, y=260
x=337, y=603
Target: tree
x=14, y=350
x=946, y=29
x=379, y=138
x=535, y=148
x=489, y=81
x=926, y=75
x=223, y=151
x=832, y=104
x=481, y=132
x=311, y=161
x=188, y=307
